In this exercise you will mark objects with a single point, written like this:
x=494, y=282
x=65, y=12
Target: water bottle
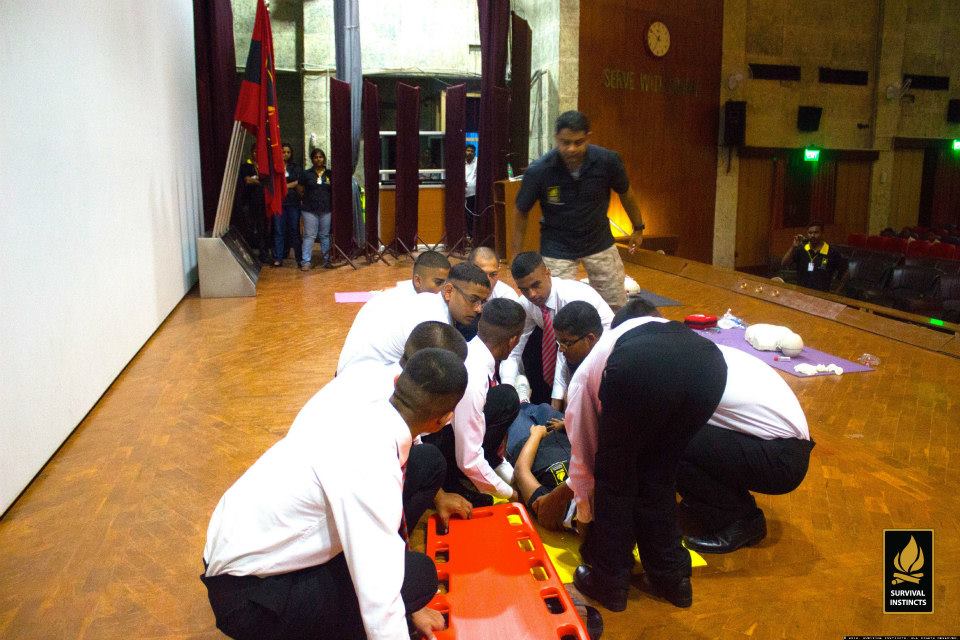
x=509, y=171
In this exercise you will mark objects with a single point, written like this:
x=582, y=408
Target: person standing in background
x=314, y=187
x=572, y=183
x=253, y=216
x=470, y=170
x=286, y=226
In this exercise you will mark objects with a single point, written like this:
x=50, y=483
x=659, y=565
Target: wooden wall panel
x=660, y=114
x=430, y=204
x=905, y=188
x=852, y=212
x=753, y=212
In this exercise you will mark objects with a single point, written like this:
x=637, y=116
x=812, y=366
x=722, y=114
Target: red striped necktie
x=548, y=347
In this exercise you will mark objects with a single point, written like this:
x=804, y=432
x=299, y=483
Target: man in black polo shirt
x=816, y=263
x=573, y=183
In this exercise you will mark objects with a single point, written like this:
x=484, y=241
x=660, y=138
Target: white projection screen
x=100, y=203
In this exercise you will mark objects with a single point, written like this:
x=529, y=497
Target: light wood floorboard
x=107, y=541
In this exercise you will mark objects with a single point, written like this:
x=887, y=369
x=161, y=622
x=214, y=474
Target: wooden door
x=754, y=212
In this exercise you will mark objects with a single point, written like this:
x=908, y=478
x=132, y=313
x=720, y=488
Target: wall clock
x=658, y=39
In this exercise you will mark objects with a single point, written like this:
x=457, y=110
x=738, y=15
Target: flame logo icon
x=908, y=564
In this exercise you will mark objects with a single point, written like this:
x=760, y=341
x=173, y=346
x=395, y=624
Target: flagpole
x=229, y=185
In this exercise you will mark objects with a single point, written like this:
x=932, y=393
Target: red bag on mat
x=700, y=321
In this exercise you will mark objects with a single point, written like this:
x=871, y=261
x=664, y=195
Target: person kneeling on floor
x=756, y=440
x=310, y=541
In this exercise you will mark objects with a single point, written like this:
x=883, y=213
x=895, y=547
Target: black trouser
x=425, y=473
x=661, y=384
x=499, y=412
x=532, y=358
x=470, y=213
x=321, y=602
x=721, y=467
x=317, y=602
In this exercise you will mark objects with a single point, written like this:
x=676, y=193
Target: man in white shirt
x=757, y=440
x=430, y=271
x=472, y=445
x=541, y=467
x=308, y=542
x=369, y=380
x=633, y=405
x=536, y=353
x=470, y=173
x=383, y=324
x=486, y=259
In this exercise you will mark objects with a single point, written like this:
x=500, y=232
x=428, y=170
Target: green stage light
x=811, y=155
x=936, y=322
x=956, y=145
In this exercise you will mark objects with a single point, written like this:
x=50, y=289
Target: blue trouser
x=315, y=224
x=519, y=431
x=286, y=232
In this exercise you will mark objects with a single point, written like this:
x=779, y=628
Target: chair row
x=905, y=246
x=909, y=283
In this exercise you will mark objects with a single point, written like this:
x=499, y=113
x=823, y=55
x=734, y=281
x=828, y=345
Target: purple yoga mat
x=352, y=296
x=734, y=338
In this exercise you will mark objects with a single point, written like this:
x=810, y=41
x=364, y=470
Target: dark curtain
x=945, y=205
x=216, y=95
x=494, y=23
x=454, y=142
x=501, y=131
x=520, y=50
x=340, y=166
x=408, y=162
x=371, y=159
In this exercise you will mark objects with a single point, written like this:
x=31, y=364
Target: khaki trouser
x=605, y=270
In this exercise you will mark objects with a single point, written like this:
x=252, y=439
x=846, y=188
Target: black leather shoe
x=590, y=584
x=741, y=533
x=590, y=615
x=679, y=593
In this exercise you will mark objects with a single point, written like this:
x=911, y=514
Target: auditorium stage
x=107, y=540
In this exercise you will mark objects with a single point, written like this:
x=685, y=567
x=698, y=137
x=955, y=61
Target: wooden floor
x=107, y=541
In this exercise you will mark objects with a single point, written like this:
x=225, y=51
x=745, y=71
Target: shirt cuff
x=584, y=510
x=559, y=391
x=504, y=490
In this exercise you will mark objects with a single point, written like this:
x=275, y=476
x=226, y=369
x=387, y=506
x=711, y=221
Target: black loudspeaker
x=953, y=111
x=808, y=118
x=733, y=127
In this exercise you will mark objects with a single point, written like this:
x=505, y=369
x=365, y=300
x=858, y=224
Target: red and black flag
x=257, y=111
